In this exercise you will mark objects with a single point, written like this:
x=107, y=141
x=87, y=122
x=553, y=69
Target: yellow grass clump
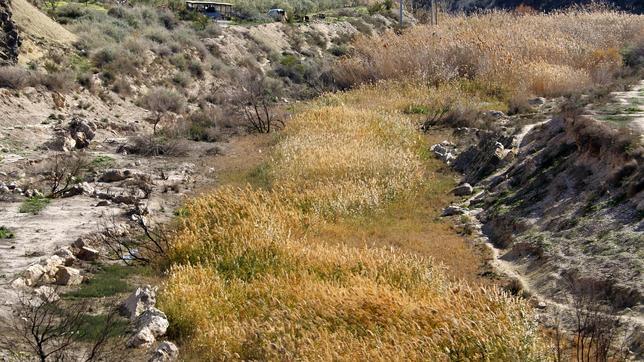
x=542, y=54
x=249, y=282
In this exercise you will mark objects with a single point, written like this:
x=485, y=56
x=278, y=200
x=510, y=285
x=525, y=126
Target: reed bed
x=248, y=283
x=534, y=54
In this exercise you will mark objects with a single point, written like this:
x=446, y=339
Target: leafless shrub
x=63, y=172
x=597, y=333
x=150, y=244
x=254, y=100
x=54, y=330
x=155, y=146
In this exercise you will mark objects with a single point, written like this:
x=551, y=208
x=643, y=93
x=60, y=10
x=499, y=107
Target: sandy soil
x=37, y=29
x=36, y=236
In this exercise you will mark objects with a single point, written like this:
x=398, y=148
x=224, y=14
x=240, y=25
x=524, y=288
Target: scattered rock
x=104, y=203
x=67, y=256
x=113, y=175
x=51, y=265
x=87, y=254
x=18, y=283
x=494, y=114
x=141, y=339
x=166, y=352
x=463, y=190
x=33, y=274
x=154, y=320
x=68, y=276
x=124, y=199
x=453, y=210
x=47, y=294
x=80, y=242
x=536, y=102
x=59, y=100
x=66, y=143
x=82, y=132
x=141, y=300
x=445, y=151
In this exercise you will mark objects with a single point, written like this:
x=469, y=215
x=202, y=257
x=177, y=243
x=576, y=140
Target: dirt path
x=627, y=110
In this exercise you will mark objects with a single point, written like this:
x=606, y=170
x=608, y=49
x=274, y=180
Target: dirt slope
x=38, y=31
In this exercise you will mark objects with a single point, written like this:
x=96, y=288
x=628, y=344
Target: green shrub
x=101, y=162
x=34, y=205
x=5, y=233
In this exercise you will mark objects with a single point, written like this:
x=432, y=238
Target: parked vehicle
x=278, y=14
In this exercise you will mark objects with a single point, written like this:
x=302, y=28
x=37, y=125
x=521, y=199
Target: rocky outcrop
x=165, y=352
x=9, y=37
x=566, y=204
x=148, y=321
x=141, y=300
x=77, y=135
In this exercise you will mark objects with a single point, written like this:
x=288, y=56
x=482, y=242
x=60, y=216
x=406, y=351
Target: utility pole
x=434, y=13
x=401, y=14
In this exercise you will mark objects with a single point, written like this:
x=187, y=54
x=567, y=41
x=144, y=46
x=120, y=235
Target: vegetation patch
x=34, y=205
x=5, y=233
x=252, y=265
x=102, y=162
x=108, y=281
x=91, y=327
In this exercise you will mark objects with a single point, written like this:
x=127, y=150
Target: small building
x=212, y=9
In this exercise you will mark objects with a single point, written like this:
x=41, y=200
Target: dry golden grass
x=546, y=55
x=258, y=273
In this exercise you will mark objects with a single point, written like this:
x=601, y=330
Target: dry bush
x=62, y=172
x=14, y=77
x=55, y=330
x=59, y=81
x=203, y=125
x=156, y=146
x=161, y=101
x=254, y=99
x=546, y=55
x=248, y=283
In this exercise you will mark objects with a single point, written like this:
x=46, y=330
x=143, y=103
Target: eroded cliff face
x=565, y=206
x=9, y=37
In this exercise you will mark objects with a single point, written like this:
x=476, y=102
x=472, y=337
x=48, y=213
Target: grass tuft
x=5, y=233
x=34, y=205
